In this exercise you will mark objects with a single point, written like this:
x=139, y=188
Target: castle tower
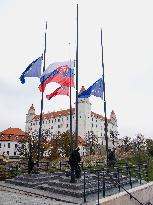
x=29, y=117
x=84, y=115
x=113, y=118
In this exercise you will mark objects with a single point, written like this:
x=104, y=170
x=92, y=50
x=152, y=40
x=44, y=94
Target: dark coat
x=74, y=158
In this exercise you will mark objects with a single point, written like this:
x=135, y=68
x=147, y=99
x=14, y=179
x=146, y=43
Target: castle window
x=31, y=124
x=67, y=125
x=92, y=125
x=55, y=120
x=0, y=145
x=43, y=122
x=49, y=121
x=67, y=118
x=36, y=123
x=96, y=120
x=58, y=120
x=58, y=126
x=51, y=127
x=80, y=116
x=52, y=121
x=92, y=119
x=7, y=152
x=8, y=145
x=16, y=145
x=96, y=125
x=14, y=153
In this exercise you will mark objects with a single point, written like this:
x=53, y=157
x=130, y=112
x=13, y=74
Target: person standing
x=74, y=160
x=111, y=158
x=30, y=165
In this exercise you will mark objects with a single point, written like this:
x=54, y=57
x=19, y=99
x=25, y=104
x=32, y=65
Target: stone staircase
x=58, y=183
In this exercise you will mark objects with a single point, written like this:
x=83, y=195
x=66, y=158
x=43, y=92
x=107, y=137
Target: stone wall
x=143, y=193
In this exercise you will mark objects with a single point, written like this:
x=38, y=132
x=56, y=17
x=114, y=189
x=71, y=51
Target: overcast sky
x=128, y=57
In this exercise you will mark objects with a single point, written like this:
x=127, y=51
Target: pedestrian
x=74, y=160
x=30, y=165
x=111, y=159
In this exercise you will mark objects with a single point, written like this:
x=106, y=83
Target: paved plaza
x=10, y=197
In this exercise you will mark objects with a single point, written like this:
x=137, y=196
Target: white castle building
x=59, y=122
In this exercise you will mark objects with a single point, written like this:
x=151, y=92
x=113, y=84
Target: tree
x=149, y=145
x=32, y=148
x=114, y=137
x=60, y=145
x=91, y=142
x=126, y=144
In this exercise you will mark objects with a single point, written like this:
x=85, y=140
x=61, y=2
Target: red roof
x=13, y=131
x=63, y=113
x=97, y=116
x=55, y=114
x=13, y=134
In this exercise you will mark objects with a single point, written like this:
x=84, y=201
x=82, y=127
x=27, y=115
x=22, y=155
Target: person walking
x=74, y=160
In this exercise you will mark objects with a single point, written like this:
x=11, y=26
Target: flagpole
x=105, y=124
x=42, y=99
x=71, y=147
x=76, y=131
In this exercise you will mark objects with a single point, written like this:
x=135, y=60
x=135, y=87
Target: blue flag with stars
x=96, y=89
x=33, y=70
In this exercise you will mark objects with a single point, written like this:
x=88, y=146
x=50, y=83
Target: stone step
x=66, y=185
x=63, y=191
x=25, y=184
x=72, y=192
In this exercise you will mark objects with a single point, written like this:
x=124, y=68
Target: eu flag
x=33, y=70
x=96, y=89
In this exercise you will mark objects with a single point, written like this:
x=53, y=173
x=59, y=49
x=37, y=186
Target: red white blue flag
x=58, y=72
x=59, y=91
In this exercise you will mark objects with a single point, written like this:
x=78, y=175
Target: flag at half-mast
x=62, y=90
x=96, y=89
x=58, y=72
x=33, y=70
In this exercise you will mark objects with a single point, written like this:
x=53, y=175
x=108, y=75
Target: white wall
x=12, y=150
x=143, y=193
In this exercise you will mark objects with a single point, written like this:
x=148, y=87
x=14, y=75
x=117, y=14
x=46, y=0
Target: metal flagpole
x=76, y=131
x=105, y=129
x=42, y=99
x=71, y=147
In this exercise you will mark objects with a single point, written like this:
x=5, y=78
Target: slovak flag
x=59, y=91
x=58, y=72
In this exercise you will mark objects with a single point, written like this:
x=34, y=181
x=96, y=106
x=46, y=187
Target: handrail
x=117, y=183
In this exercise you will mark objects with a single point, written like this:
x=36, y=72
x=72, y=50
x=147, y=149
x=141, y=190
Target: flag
x=33, y=70
x=58, y=72
x=96, y=89
x=59, y=91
